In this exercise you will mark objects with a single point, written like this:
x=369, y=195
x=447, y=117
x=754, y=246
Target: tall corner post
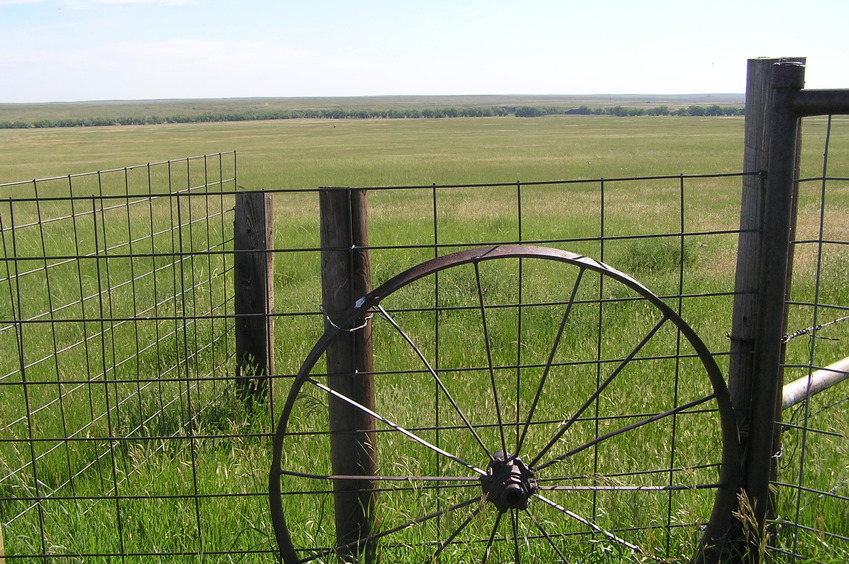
x=346, y=277
x=763, y=273
x=253, y=268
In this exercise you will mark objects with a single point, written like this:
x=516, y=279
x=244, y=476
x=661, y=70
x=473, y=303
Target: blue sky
x=69, y=50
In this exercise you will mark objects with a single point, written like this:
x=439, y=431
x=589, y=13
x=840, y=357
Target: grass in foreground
x=162, y=477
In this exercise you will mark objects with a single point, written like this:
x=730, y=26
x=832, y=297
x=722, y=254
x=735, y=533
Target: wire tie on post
x=352, y=329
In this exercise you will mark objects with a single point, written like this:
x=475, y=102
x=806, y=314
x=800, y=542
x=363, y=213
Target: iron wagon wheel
x=547, y=406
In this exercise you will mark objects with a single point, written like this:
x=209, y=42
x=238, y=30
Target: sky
x=80, y=50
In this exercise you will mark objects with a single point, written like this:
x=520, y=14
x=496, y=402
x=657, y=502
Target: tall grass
x=192, y=482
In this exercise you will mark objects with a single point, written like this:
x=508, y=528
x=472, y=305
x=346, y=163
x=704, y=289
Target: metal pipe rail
x=797, y=391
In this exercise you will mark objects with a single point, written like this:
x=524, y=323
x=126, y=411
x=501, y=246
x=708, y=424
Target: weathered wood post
x=763, y=269
x=346, y=277
x=253, y=268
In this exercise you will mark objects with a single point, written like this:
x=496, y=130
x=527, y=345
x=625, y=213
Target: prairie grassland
x=302, y=153
x=30, y=113
x=206, y=485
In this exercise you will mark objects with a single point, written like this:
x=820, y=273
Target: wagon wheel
x=548, y=406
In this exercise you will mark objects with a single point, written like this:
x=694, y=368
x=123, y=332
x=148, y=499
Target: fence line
x=594, y=217
x=119, y=403
x=128, y=361
x=101, y=291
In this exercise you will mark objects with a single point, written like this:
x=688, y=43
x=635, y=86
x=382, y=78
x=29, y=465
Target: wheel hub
x=508, y=483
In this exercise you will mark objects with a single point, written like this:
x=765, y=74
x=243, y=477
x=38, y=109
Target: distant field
x=311, y=153
x=165, y=108
x=302, y=153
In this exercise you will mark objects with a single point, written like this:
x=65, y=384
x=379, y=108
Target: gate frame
x=775, y=104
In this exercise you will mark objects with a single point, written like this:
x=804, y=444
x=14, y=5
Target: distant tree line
x=714, y=110
x=411, y=113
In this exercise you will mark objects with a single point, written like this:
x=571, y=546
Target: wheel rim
x=537, y=437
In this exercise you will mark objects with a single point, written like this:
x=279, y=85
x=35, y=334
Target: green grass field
x=297, y=154
x=165, y=477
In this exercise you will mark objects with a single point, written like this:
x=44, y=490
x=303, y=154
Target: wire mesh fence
x=432, y=347
x=116, y=323
x=812, y=485
x=118, y=399
x=119, y=405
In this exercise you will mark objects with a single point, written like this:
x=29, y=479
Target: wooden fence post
x=346, y=277
x=763, y=268
x=253, y=267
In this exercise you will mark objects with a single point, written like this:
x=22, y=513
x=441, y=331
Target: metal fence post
x=346, y=277
x=253, y=267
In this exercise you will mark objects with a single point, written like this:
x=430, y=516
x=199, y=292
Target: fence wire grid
x=122, y=436
x=116, y=328
x=812, y=483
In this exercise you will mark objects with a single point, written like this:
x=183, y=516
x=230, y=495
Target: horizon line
x=379, y=96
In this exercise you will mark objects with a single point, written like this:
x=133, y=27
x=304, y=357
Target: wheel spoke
x=398, y=428
x=457, y=531
x=550, y=361
x=514, y=518
x=488, y=548
x=404, y=479
x=598, y=529
x=595, y=395
x=669, y=488
x=346, y=549
x=545, y=534
x=488, y=346
x=617, y=481
x=625, y=429
x=436, y=378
